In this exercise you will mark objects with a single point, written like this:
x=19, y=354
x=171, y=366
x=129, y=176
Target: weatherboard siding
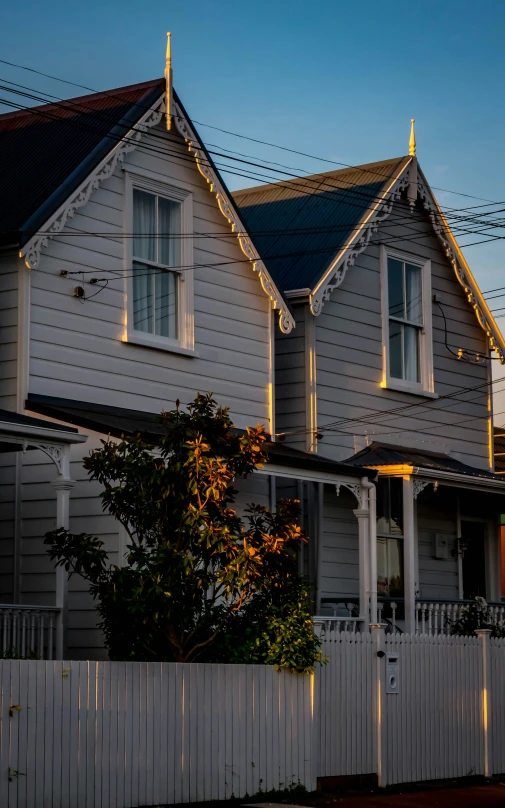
x=77, y=349
x=290, y=381
x=8, y=331
x=349, y=360
x=340, y=549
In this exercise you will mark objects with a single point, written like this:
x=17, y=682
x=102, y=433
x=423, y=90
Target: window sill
x=159, y=344
x=402, y=387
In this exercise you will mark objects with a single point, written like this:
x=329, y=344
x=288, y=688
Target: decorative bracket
x=56, y=453
x=419, y=485
x=354, y=488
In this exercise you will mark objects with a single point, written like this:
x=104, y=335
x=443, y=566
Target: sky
x=337, y=80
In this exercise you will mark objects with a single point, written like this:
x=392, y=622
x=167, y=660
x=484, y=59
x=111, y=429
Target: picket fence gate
x=123, y=734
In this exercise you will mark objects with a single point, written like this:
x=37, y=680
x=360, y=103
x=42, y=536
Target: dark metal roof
x=118, y=421
x=15, y=418
x=47, y=151
x=312, y=215
x=377, y=455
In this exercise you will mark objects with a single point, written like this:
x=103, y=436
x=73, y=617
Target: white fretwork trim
x=55, y=224
x=360, y=241
x=56, y=453
x=286, y=321
x=355, y=489
x=461, y=269
x=418, y=486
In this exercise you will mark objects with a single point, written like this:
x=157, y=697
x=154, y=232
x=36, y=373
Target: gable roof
x=337, y=212
x=299, y=225
x=52, y=157
x=46, y=151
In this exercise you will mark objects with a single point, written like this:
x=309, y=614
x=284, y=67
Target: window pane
x=411, y=353
x=395, y=506
x=395, y=568
x=390, y=568
x=144, y=225
x=142, y=297
x=166, y=304
x=395, y=288
x=395, y=350
x=414, y=293
x=169, y=232
x=382, y=567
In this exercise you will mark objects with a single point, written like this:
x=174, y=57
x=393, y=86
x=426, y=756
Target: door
x=473, y=535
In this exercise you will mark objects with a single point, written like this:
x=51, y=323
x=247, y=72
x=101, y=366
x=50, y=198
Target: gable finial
x=168, y=83
x=412, y=141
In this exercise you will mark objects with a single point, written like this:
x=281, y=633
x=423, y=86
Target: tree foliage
x=477, y=615
x=197, y=575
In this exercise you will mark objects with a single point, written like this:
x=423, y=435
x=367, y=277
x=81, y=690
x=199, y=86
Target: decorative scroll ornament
x=31, y=251
x=286, y=321
x=56, y=453
x=382, y=211
x=418, y=486
x=354, y=488
x=442, y=230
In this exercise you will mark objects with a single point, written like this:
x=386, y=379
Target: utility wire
x=225, y=131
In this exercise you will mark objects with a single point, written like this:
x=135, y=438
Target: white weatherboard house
x=389, y=367
x=131, y=278
x=128, y=282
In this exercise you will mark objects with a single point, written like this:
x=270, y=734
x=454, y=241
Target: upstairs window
x=156, y=250
x=159, y=263
x=406, y=309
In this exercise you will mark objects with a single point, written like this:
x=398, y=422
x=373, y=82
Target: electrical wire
x=225, y=131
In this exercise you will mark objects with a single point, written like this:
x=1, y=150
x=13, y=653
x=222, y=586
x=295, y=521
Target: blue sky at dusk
x=333, y=79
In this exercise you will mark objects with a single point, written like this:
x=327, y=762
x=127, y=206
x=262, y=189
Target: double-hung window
x=159, y=259
x=407, y=323
x=390, y=537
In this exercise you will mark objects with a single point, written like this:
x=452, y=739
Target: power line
x=228, y=132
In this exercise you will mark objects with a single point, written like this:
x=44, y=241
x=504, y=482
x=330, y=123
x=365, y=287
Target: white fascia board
x=309, y=475
x=26, y=432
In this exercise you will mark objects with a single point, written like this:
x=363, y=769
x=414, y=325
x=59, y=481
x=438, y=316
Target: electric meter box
x=392, y=673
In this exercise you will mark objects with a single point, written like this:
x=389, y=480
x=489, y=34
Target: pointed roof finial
x=412, y=141
x=168, y=82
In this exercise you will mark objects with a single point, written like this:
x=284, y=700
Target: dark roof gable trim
x=55, y=224
x=230, y=212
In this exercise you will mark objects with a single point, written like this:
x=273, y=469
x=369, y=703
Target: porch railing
x=438, y=617
x=28, y=631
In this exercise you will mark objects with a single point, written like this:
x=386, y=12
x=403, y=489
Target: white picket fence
x=122, y=734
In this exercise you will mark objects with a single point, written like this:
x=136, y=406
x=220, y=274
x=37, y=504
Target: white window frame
x=151, y=183
x=426, y=386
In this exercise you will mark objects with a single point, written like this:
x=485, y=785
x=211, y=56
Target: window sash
x=155, y=288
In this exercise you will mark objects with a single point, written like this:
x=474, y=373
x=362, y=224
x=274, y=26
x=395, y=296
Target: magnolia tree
x=200, y=582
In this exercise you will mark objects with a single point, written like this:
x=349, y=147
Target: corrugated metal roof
x=118, y=421
x=376, y=455
x=282, y=218
x=47, y=151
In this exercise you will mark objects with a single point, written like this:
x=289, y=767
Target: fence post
x=378, y=673
x=483, y=635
